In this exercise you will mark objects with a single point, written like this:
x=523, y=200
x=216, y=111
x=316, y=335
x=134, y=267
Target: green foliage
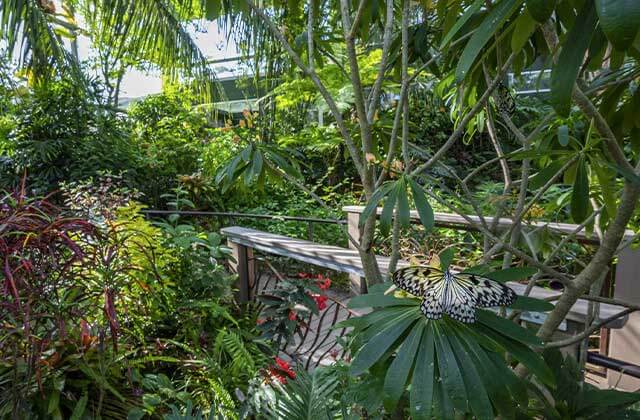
x=573, y=398
x=308, y=397
x=288, y=307
x=447, y=366
x=172, y=138
x=60, y=134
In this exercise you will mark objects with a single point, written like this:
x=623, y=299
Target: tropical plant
x=60, y=134
x=145, y=32
x=287, y=308
x=572, y=398
x=309, y=396
x=451, y=367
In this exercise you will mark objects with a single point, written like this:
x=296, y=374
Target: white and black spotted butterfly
x=457, y=295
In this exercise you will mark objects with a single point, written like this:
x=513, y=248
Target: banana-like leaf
x=491, y=23
x=565, y=72
x=620, y=21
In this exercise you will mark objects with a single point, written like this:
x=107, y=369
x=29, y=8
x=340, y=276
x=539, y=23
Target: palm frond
x=309, y=396
x=153, y=31
x=32, y=39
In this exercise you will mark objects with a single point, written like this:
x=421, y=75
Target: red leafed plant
x=38, y=249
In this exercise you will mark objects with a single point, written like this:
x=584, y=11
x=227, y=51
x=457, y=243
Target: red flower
x=282, y=364
x=304, y=275
x=292, y=316
x=281, y=371
x=325, y=284
x=321, y=301
x=260, y=321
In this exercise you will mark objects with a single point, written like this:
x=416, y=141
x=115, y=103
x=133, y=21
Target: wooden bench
x=243, y=241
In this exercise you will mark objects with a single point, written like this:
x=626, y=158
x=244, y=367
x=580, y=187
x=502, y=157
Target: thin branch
x=357, y=18
x=373, y=99
x=404, y=89
x=337, y=115
x=556, y=275
x=586, y=333
x=471, y=114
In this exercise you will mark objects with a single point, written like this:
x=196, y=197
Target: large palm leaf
x=447, y=367
x=30, y=32
x=151, y=31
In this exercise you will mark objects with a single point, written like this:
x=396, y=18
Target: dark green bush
x=60, y=133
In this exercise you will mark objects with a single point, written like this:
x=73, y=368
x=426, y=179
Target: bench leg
x=244, y=267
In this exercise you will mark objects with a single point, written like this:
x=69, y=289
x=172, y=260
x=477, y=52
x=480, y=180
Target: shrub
x=62, y=134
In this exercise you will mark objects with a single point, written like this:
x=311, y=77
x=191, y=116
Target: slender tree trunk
x=600, y=262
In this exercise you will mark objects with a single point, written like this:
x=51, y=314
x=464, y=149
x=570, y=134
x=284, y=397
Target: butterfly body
x=457, y=295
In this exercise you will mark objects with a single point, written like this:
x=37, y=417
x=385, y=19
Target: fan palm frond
x=308, y=397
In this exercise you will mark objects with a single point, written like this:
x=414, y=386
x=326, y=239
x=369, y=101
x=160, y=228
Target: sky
x=211, y=42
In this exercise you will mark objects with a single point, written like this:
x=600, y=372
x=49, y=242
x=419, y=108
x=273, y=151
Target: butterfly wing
x=415, y=279
x=460, y=300
x=431, y=305
x=489, y=292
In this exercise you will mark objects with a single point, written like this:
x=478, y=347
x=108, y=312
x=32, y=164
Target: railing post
x=357, y=283
x=310, y=231
x=243, y=266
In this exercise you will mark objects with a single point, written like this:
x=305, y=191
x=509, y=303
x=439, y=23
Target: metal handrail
x=245, y=215
x=309, y=220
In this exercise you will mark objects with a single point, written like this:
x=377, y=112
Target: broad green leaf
x=511, y=274
x=493, y=379
x=542, y=177
x=619, y=20
x=246, y=153
x=628, y=175
x=398, y=373
x=79, y=409
x=606, y=179
x=421, y=396
x=563, y=135
x=515, y=385
x=526, y=303
x=449, y=369
x=478, y=398
x=373, y=350
x=446, y=257
x=425, y=212
x=541, y=10
x=471, y=10
x=580, y=205
x=520, y=352
x=525, y=25
x=507, y=328
x=379, y=300
x=376, y=197
x=387, y=210
x=565, y=72
x=256, y=164
x=491, y=23
x=404, y=214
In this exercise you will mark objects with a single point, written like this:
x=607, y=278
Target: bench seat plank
x=348, y=261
